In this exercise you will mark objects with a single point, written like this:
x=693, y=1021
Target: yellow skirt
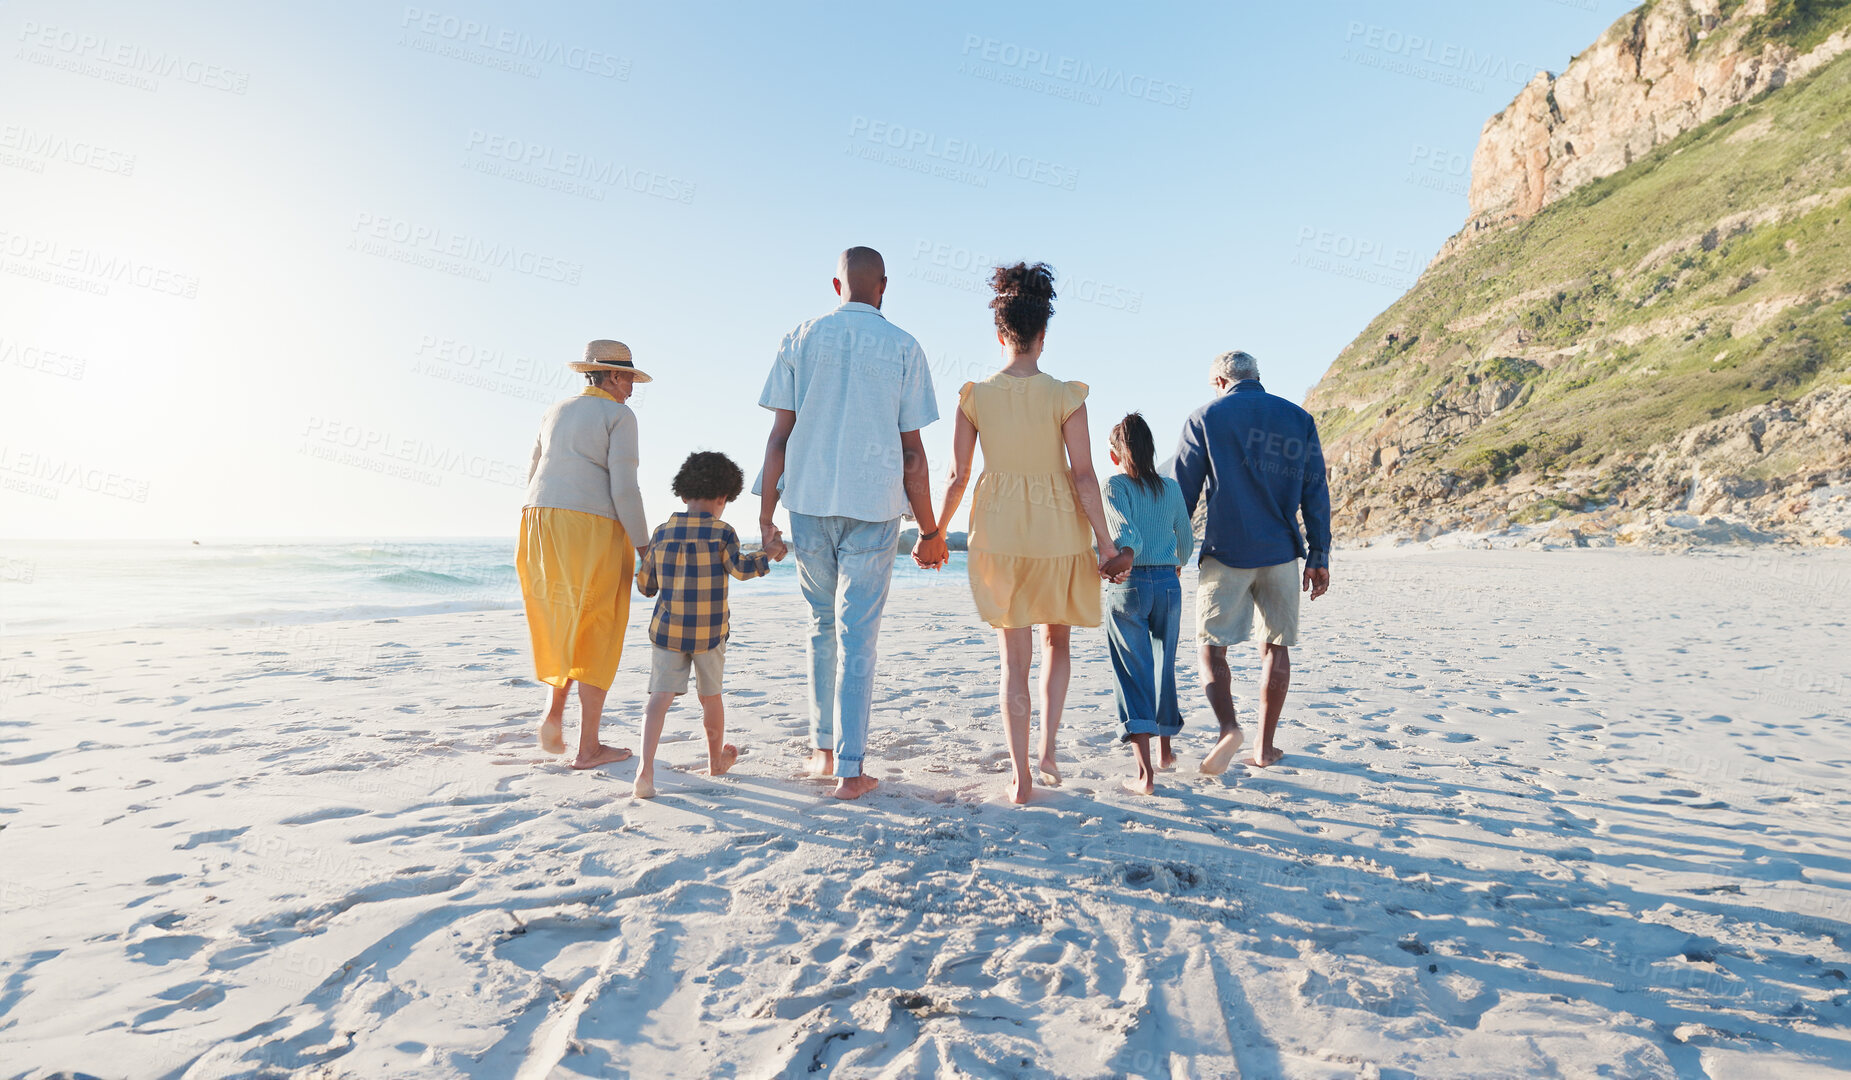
x=575, y=572
x=1026, y=590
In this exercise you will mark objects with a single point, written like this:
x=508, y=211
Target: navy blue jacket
x=1253, y=506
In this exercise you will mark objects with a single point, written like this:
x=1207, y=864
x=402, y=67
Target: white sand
x=1575, y=814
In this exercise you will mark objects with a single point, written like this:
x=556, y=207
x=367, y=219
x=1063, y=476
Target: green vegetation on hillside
x=1711, y=275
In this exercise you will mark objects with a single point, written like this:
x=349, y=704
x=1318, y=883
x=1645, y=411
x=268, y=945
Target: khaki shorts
x=1226, y=596
x=668, y=670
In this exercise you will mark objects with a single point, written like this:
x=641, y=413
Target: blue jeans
x=844, y=566
x=1145, y=614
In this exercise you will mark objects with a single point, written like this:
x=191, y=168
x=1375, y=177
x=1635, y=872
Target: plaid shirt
x=689, y=558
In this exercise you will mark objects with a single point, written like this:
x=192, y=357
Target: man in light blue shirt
x=850, y=392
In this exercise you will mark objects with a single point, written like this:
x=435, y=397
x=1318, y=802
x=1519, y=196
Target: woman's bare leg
x=552, y=727
x=591, y=752
x=1056, y=671
x=1017, y=646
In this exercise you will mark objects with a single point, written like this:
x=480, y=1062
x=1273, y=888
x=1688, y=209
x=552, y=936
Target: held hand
x=931, y=554
x=642, y=552
x=776, y=548
x=1317, y=581
x=1116, y=566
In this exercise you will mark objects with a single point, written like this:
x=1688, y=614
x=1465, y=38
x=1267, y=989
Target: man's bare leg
x=1146, y=782
x=1017, y=646
x=552, y=727
x=822, y=763
x=1166, y=757
x=1056, y=672
x=591, y=752
x=1218, y=686
x=655, y=716
x=720, y=753
x=1275, y=680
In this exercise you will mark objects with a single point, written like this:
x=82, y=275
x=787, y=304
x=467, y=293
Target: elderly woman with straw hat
x=582, y=528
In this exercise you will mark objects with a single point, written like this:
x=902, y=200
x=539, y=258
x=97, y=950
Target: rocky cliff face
x=1644, y=331
x=1658, y=72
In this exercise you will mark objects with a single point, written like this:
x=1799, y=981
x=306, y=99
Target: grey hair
x=1234, y=366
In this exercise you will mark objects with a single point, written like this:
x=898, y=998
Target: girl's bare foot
x=1222, y=755
x=1142, y=785
x=645, y=784
x=854, y=787
x=605, y=755
x=552, y=735
x=717, y=766
x=1050, y=772
x=1166, y=758
x=1268, y=756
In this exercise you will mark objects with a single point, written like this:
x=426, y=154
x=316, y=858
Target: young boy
x=688, y=560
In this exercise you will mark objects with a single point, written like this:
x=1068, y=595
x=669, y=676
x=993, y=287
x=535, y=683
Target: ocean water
x=60, y=586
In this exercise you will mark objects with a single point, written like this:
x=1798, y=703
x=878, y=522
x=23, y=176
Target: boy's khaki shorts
x=1226, y=596
x=668, y=670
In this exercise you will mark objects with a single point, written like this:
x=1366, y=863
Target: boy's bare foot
x=552, y=735
x=1222, y=755
x=606, y=755
x=1050, y=772
x=854, y=787
x=718, y=766
x=822, y=764
x=645, y=785
x=1142, y=785
x=1268, y=756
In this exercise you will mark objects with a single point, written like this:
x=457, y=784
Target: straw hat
x=606, y=355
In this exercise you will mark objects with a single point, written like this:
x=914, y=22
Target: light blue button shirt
x=1155, y=527
x=855, y=381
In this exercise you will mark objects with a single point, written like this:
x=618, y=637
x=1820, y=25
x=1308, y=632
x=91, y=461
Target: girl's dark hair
x=708, y=475
x=1131, y=438
x=1024, y=300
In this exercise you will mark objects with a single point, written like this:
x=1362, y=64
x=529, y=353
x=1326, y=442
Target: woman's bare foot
x=645, y=784
x=854, y=787
x=606, y=755
x=1268, y=756
x=552, y=735
x=717, y=766
x=1050, y=772
x=1021, y=789
x=822, y=765
x=1222, y=755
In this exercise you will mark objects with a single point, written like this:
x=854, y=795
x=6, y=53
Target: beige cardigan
x=585, y=460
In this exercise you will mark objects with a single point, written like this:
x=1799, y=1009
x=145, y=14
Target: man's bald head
x=861, y=276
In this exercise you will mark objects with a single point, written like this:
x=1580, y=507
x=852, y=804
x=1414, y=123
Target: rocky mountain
x=1643, y=331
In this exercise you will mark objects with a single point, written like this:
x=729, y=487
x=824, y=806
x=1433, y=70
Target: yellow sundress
x=1031, y=550
x=575, y=570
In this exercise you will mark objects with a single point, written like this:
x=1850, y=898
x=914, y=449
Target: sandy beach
x=1543, y=814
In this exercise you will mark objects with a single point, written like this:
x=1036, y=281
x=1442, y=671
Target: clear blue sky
x=314, y=269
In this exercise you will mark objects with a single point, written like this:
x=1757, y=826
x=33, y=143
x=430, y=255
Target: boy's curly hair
x=708, y=474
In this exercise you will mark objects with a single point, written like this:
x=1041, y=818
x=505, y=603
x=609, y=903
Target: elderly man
x=1259, y=457
x=850, y=392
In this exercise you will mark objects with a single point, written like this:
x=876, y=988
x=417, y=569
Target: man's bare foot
x=822, y=764
x=718, y=766
x=1269, y=756
x=1142, y=785
x=606, y=755
x=552, y=735
x=854, y=787
x=645, y=785
x=1222, y=755
x=1050, y=772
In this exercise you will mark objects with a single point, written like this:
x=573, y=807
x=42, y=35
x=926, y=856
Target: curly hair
x=1024, y=300
x=708, y=474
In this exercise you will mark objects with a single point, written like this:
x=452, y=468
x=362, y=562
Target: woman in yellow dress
x=582, y=529
x=1035, y=515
